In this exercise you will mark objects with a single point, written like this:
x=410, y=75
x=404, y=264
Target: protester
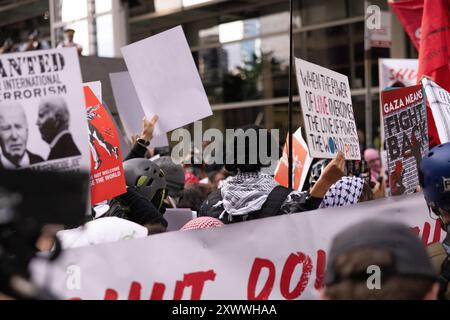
x=435, y=182
x=143, y=203
x=252, y=195
x=347, y=191
x=372, y=157
x=202, y=223
x=174, y=175
x=34, y=43
x=216, y=174
x=68, y=41
x=8, y=46
x=192, y=198
x=402, y=268
x=140, y=147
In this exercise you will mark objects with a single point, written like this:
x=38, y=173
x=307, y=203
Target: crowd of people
x=36, y=42
x=235, y=192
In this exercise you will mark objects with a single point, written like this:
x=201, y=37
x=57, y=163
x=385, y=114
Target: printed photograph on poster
x=327, y=110
x=406, y=136
x=42, y=118
x=107, y=178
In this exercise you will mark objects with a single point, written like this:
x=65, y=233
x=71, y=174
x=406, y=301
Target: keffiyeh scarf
x=245, y=192
x=344, y=192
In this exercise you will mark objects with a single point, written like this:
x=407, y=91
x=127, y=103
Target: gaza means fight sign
x=213, y=264
x=327, y=111
x=406, y=136
x=42, y=118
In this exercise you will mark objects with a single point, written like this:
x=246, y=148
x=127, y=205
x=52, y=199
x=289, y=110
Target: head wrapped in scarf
x=346, y=191
x=202, y=223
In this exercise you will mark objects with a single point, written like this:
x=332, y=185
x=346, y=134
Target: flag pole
x=291, y=63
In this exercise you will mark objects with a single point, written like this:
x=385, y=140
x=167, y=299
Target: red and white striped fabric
x=202, y=223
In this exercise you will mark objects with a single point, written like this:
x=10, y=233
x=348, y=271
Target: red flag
x=409, y=12
x=434, y=53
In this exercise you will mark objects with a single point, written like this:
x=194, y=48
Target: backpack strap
x=274, y=201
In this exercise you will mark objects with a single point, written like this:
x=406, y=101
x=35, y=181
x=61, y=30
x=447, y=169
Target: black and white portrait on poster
x=42, y=116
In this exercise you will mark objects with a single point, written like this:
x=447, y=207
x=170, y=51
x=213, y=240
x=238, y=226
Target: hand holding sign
x=148, y=127
x=331, y=174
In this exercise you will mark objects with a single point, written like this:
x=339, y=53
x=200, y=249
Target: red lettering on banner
x=286, y=276
x=135, y=291
x=158, y=291
x=437, y=231
x=426, y=230
x=320, y=270
x=195, y=280
x=111, y=294
x=258, y=265
x=425, y=233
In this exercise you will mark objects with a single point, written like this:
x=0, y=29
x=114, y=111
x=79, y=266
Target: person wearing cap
x=68, y=41
x=434, y=179
x=357, y=253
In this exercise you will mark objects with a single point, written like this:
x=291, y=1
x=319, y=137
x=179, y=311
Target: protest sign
x=397, y=72
x=166, y=80
x=107, y=177
x=130, y=109
x=439, y=101
x=406, y=132
x=96, y=87
x=42, y=118
x=238, y=261
x=301, y=162
x=177, y=218
x=327, y=111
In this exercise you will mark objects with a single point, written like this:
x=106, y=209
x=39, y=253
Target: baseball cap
x=408, y=252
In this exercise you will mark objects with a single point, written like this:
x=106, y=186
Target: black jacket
x=65, y=147
x=135, y=207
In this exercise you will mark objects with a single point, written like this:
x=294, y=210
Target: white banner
x=439, y=100
x=42, y=116
x=327, y=110
x=282, y=257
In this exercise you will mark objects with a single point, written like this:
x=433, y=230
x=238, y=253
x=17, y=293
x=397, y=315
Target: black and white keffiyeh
x=344, y=192
x=246, y=192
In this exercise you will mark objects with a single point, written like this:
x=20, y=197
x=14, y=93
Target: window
x=92, y=21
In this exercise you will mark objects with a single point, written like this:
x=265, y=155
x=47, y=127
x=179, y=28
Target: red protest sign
x=107, y=178
x=301, y=162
